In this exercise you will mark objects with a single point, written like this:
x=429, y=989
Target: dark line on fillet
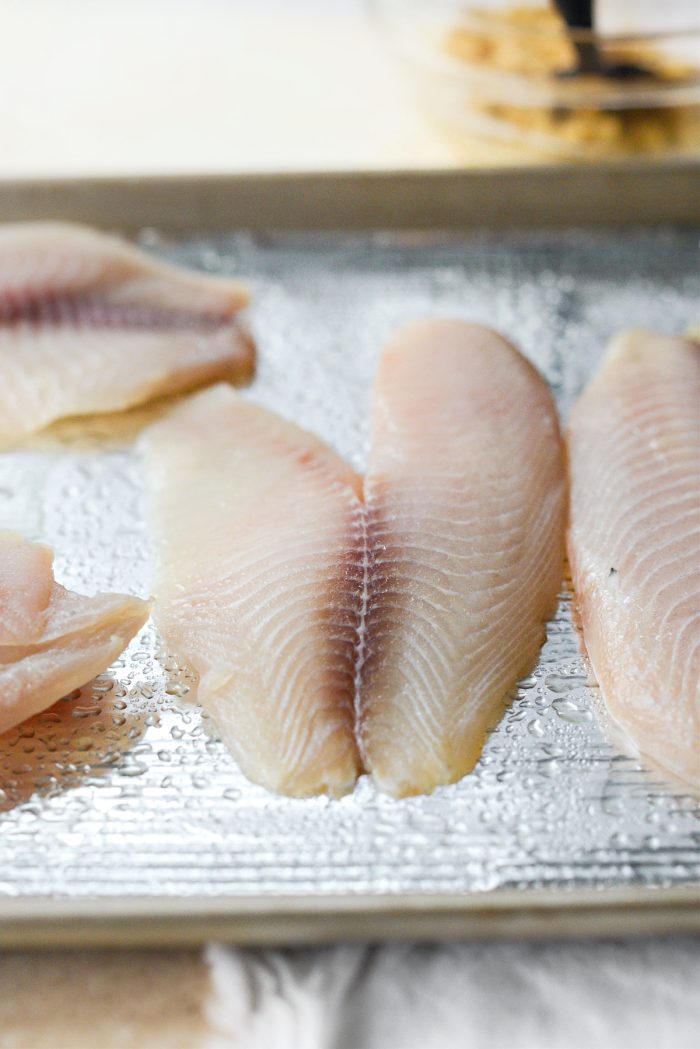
x=95, y=314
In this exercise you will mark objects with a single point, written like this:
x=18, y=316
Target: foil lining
x=125, y=789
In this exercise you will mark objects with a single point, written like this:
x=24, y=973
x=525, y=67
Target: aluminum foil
x=125, y=788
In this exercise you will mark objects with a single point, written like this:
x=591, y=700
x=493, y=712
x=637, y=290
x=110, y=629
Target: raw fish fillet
x=465, y=504
x=90, y=324
x=26, y=583
x=634, y=542
x=259, y=535
x=318, y=610
x=51, y=640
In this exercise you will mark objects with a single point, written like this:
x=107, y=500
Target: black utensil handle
x=578, y=14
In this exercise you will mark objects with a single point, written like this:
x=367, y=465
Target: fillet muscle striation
x=319, y=610
x=89, y=324
x=465, y=503
x=52, y=641
x=258, y=525
x=634, y=542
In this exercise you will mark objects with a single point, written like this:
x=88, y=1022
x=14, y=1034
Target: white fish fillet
x=296, y=602
x=26, y=583
x=634, y=542
x=89, y=324
x=52, y=641
x=258, y=529
x=465, y=497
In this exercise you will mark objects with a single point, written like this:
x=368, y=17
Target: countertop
x=172, y=86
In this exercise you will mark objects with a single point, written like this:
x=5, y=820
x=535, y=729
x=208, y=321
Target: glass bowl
x=513, y=71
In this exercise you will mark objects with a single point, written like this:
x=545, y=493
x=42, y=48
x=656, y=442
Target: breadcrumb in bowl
x=511, y=73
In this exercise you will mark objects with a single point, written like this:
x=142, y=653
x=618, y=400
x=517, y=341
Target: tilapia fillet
x=89, y=324
x=258, y=525
x=51, y=640
x=634, y=542
x=336, y=622
x=465, y=504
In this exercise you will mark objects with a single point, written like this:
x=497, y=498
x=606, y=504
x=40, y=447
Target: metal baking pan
x=124, y=819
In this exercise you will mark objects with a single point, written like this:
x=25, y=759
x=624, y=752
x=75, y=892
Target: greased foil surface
x=125, y=789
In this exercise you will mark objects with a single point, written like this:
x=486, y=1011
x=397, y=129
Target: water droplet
x=177, y=688
x=570, y=711
x=527, y=682
x=85, y=711
x=133, y=769
x=557, y=683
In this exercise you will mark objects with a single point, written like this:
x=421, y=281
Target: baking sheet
x=124, y=791
x=622, y=192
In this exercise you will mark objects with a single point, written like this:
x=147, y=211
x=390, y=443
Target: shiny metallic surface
x=125, y=788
